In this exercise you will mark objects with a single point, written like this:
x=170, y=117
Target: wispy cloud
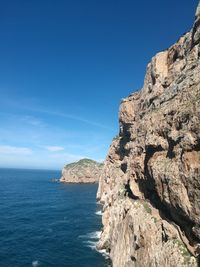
x=54, y=148
x=13, y=150
x=35, y=135
x=69, y=116
x=27, y=119
x=32, y=121
x=37, y=109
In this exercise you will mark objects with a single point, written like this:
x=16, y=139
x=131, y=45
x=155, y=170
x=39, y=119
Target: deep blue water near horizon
x=47, y=224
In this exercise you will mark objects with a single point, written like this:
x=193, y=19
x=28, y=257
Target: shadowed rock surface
x=150, y=184
x=83, y=171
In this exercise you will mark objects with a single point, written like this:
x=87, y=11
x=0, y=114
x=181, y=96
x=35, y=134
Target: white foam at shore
x=35, y=263
x=99, y=213
x=92, y=245
x=93, y=235
x=91, y=242
x=104, y=253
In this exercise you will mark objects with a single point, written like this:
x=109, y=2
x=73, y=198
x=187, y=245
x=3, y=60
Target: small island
x=82, y=171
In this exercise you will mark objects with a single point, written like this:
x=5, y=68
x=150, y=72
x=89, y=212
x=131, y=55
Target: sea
x=48, y=224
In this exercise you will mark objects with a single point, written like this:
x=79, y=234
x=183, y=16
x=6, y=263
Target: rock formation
x=150, y=184
x=83, y=171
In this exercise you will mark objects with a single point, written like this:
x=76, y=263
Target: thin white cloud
x=33, y=121
x=37, y=109
x=54, y=148
x=70, y=116
x=13, y=150
x=48, y=161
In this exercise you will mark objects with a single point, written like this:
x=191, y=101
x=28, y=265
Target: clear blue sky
x=66, y=64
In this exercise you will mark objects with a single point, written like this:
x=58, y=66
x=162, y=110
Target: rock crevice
x=150, y=184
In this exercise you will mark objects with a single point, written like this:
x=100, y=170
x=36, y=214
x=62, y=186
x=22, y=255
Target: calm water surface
x=47, y=224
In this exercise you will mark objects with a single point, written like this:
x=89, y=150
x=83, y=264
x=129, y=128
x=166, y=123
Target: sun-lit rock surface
x=150, y=184
x=83, y=171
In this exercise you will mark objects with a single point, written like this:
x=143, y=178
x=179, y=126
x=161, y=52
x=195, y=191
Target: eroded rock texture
x=150, y=187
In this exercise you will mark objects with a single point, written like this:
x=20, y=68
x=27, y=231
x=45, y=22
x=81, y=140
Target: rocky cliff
x=83, y=171
x=150, y=185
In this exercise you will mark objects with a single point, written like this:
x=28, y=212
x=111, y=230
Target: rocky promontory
x=150, y=184
x=83, y=171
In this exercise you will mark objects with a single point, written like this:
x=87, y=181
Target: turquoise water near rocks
x=47, y=224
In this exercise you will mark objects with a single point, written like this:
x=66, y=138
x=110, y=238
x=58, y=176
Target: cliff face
x=150, y=185
x=83, y=171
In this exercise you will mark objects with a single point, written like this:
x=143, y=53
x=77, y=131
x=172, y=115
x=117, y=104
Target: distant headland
x=82, y=171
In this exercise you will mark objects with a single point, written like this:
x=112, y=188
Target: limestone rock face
x=150, y=184
x=83, y=171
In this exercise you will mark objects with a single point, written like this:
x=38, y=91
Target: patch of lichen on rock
x=189, y=260
x=147, y=207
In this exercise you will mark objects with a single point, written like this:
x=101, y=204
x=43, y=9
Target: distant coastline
x=82, y=171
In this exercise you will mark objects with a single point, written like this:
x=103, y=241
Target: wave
x=91, y=240
x=99, y=213
x=104, y=253
x=35, y=263
x=93, y=235
x=90, y=244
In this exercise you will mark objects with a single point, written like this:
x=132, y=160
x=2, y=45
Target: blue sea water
x=47, y=224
